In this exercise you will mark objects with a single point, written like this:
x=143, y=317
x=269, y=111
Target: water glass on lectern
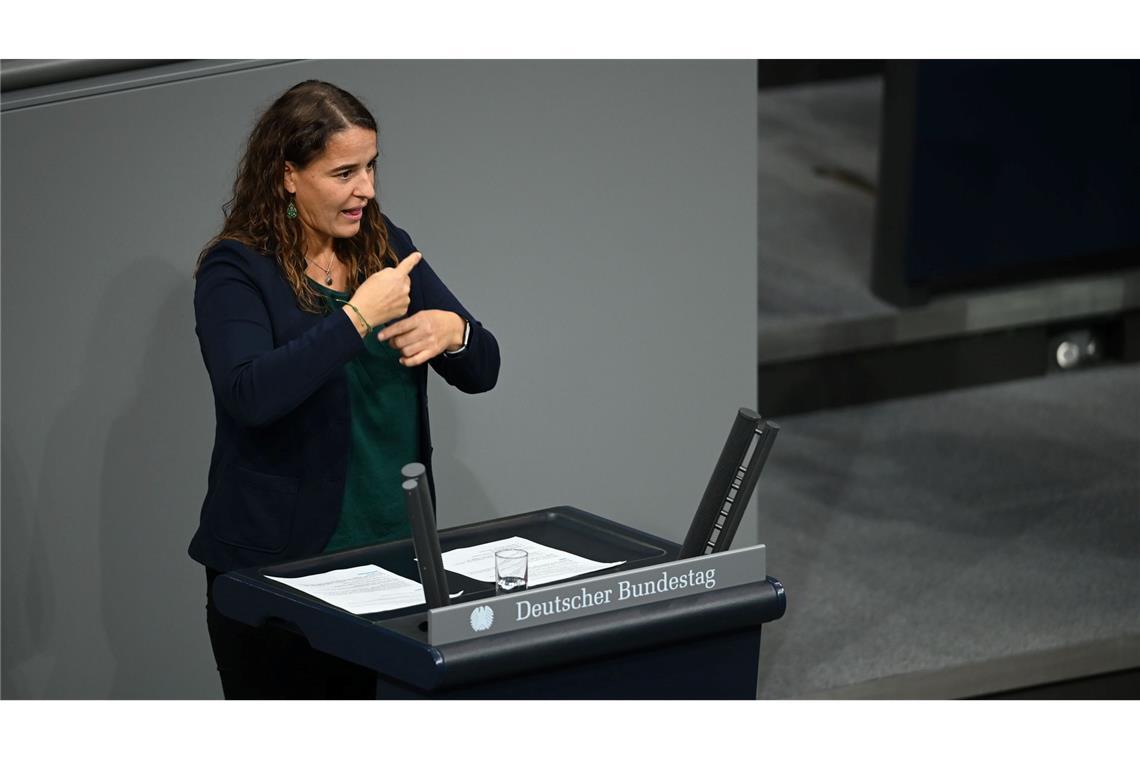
x=510, y=570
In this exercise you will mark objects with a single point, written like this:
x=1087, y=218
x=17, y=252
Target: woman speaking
x=317, y=319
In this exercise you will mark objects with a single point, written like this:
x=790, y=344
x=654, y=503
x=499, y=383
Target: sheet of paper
x=544, y=564
x=360, y=590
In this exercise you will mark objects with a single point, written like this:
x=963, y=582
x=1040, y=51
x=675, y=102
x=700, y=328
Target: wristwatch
x=466, y=336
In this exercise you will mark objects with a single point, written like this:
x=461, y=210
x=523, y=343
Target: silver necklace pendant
x=327, y=270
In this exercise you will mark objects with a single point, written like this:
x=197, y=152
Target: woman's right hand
x=386, y=294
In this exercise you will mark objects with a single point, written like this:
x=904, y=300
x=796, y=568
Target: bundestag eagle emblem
x=481, y=618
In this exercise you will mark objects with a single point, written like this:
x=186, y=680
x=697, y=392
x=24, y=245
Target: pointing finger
x=408, y=264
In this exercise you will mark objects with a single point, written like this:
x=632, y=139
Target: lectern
x=665, y=623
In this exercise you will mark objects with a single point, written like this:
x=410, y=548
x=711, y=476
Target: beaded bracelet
x=359, y=316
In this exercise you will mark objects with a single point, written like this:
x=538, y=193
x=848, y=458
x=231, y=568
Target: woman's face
x=333, y=189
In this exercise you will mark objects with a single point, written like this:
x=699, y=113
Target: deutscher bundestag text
x=584, y=599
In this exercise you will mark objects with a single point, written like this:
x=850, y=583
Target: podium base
x=716, y=667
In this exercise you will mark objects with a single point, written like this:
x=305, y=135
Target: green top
x=385, y=437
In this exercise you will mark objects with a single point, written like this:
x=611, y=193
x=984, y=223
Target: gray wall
x=599, y=217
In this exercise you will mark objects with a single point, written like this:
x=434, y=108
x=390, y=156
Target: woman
x=317, y=320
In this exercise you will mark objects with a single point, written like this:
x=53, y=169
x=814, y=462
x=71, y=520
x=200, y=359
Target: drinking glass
x=510, y=570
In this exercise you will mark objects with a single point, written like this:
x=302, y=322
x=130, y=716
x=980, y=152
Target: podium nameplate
x=571, y=599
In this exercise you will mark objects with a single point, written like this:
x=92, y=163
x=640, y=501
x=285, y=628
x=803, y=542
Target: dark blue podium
x=672, y=643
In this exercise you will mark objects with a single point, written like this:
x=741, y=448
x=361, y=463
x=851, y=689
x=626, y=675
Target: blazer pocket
x=253, y=510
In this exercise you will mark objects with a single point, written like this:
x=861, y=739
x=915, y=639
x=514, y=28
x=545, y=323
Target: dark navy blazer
x=281, y=445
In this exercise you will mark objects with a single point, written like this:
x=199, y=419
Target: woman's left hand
x=424, y=335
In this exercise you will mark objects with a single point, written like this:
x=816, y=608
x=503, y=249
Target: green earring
x=291, y=210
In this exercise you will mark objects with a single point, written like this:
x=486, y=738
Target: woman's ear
x=289, y=178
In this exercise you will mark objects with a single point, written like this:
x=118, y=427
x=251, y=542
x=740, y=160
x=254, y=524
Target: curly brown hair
x=296, y=128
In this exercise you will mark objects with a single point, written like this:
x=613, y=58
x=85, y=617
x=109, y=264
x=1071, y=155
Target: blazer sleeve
x=475, y=369
x=255, y=381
